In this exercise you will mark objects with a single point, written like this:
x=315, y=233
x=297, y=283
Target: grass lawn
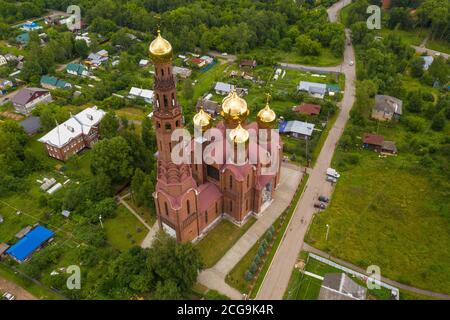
x=439, y=45
x=148, y=214
x=125, y=230
x=413, y=37
x=219, y=240
x=387, y=212
x=132, y=113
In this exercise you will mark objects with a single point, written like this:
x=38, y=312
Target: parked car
x=324, y=199
x=333, y=173
x=320, y=205
x=351, y=62
x=331, y=179
x=8, y=296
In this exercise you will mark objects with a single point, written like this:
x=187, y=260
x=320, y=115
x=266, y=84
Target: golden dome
x=266, y=117
x=160, y=49
x=234, y=108
x=202, y=119
x=239, y=134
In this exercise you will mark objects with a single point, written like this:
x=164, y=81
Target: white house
x=145, y=94
x=314, y=89
x=182, y=72
x=223, y=88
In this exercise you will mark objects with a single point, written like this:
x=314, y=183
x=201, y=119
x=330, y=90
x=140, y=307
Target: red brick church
x=192, y=197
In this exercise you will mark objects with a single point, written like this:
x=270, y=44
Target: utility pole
x=100, y=218
x=328, y=230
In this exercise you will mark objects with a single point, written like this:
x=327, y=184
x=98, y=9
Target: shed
x=32, y=241
x=31, y=125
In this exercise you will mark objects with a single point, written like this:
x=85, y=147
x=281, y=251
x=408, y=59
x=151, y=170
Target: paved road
x=333, y=11
x=214, y=277
x=307, y=247
x=277, y=277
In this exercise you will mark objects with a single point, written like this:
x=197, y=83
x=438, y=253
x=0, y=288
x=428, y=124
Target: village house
x=308, y=109
x=84, y=37
x=211, y=107
x=297, y=129
x=339, y=286
x=223, y=89
x=10, y=57
x=387, y=108
x=79, y=132
x=49, y=82
x=314, y=89
x=77, y=70
x=97, y=59
x=377, y=143
x=248, y=63
x=182, y=72
x=25, y=100
x=200, y=63
x=23, y=38
x=145, y=94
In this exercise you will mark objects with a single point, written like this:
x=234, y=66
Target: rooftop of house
x=53, y=81
x=308, y=108
x=25, y=95
x=388, y=104
x=373, y=139
x=31, y=125
x=339, y=286
x=296, y=126
x=143, y=93
x=74, y=127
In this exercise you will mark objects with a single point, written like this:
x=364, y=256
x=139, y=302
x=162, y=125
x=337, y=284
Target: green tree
x=438, y=122
x=109, y=125
x=112, y=157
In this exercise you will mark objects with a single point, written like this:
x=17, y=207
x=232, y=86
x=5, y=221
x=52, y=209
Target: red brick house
x=308, y=108
x=79, y=132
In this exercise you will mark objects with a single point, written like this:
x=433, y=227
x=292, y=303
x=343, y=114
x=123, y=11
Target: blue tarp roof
x=23, y=248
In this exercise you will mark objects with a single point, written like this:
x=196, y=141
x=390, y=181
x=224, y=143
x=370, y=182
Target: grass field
x=439, y=45
x=388, y=213
x=125, y=230
x=219, y=240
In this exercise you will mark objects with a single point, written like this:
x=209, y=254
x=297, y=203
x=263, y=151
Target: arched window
x=231, y=182
x=231, y=206
x=188, y=204
x=206, y=217
x=166, y=102
x=162, y=72
x=167, y=208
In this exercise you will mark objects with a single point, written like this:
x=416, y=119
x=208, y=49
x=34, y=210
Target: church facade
x=239, y=165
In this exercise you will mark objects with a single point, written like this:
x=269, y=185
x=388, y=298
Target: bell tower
x=166, y=111
x=175, y=193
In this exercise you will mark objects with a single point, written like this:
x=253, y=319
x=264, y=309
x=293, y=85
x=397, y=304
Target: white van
x=333, y=173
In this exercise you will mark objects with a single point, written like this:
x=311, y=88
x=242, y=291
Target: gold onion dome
x=202, y=119
x=160, y=49
x=266, y=117
x=234, y=108
x=239, y=135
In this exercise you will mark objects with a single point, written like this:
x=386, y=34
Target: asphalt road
x=277, y=277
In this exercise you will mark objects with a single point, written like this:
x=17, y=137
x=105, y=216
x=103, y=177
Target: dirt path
x=18, y=291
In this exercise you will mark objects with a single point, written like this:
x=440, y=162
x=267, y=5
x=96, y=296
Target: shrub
x=248, y=275
x=253, y=268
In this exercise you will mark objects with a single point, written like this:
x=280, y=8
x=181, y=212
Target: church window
x=231, y=182
x=188, y=204
x=206, y=217
x=166, y=208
